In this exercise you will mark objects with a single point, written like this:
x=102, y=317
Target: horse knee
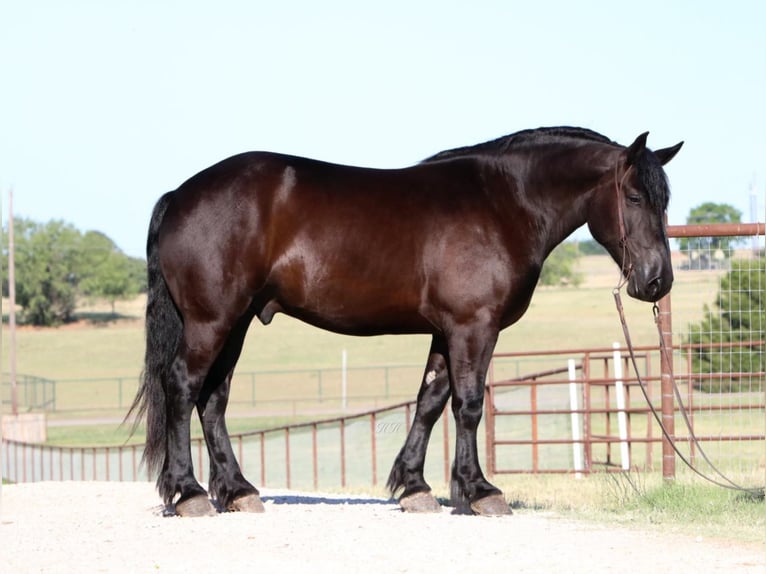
x=468, y=412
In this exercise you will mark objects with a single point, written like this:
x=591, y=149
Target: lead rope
x=625, y=272
x=728, y=483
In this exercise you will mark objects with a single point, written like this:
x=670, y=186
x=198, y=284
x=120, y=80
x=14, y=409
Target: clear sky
x=106, y=105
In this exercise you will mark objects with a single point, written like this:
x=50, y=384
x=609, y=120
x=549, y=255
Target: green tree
x=738, y=316
x=45, y=258
x=560, y=266
x=702, y=250
x=55, y=264
x=104, y=272
x=137, y=269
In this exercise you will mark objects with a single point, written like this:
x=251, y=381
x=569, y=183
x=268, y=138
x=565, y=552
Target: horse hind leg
x=227, y=486
x=203, y=353
x=176, y=481
x=407, y=471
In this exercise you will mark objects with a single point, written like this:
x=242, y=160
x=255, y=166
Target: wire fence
x=719, y=331
x=287, y=392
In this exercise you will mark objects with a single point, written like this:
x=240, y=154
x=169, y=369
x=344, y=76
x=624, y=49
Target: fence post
x=586, y=421
x=622, y=419
x=574, y=406
x=344, y=379
x=666, y=388
x=535, y=436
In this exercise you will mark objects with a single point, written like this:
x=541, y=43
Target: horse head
x=627, y=216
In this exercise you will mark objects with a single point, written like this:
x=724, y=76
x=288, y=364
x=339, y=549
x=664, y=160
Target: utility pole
x=12, y=309
x=2, y=426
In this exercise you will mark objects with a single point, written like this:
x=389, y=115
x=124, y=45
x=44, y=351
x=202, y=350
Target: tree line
x=56, y=264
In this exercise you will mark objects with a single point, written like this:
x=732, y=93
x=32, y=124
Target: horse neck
x=561, y=185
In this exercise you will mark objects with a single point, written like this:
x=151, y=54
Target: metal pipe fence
x=531, y=429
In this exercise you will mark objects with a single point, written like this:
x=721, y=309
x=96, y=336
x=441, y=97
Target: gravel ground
x=88, y=527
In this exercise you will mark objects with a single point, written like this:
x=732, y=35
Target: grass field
x=557, y=318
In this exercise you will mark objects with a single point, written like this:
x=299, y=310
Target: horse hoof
x=493, y=505
x=196, y=506
x=420, y=502
x=247, y=503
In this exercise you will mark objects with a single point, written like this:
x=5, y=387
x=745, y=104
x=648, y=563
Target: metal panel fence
x=586, y=415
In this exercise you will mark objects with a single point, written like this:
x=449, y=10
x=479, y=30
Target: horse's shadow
x=301, y=499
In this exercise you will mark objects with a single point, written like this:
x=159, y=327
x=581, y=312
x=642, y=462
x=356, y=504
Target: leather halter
x=627, y=265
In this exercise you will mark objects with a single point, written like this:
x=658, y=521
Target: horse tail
x=163, y=335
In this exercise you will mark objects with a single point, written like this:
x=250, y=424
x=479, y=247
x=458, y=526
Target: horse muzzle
x=650, y=285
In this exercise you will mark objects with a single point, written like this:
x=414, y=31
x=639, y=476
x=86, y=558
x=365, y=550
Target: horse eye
x=634, y=199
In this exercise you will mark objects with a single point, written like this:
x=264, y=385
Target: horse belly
x=368, y=323
x=335, y=294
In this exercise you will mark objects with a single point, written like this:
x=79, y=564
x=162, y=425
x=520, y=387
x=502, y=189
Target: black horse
x=451, y=247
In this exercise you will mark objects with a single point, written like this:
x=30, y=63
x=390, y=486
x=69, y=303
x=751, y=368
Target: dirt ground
x=119, y=527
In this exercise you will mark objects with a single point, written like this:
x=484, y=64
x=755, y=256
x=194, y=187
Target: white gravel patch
x=88, y=527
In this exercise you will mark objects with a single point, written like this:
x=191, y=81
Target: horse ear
x=668, y=153
x=636, y=147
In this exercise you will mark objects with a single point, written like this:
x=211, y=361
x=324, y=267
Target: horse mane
x=647, y=166
x=522, y=139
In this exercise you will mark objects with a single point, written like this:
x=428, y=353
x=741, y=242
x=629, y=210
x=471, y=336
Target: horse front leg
x=407, y=472
x=470, y=352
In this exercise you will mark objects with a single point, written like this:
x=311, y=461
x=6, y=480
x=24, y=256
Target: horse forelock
x=653, y=180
